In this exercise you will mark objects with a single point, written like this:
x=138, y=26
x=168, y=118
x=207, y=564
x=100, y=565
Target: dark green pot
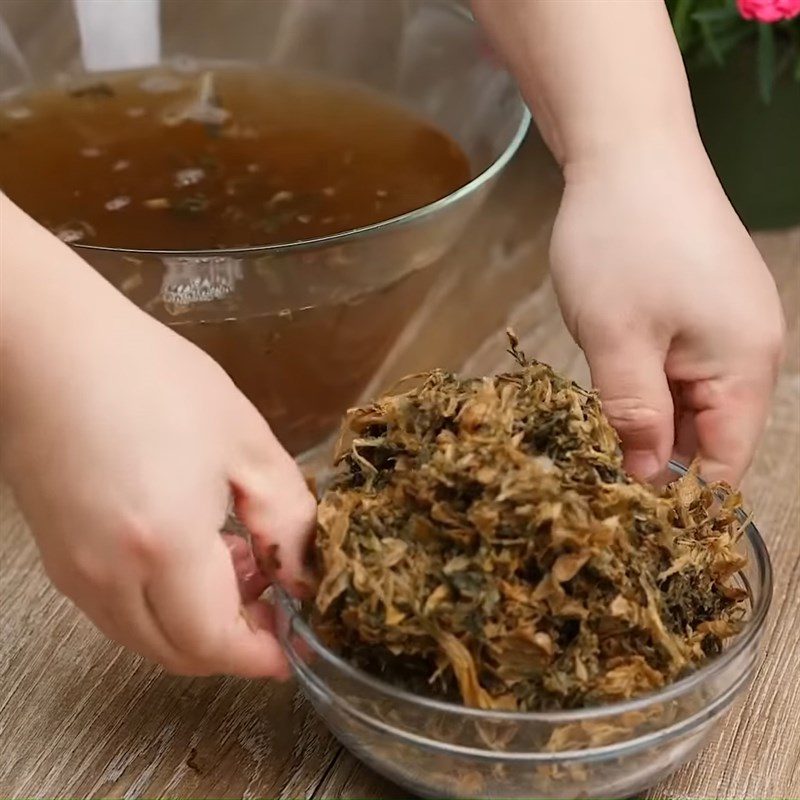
x=755, y=148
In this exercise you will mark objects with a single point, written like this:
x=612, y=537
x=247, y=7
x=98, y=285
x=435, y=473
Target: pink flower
x=768, y=10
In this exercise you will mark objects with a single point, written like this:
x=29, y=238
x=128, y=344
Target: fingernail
x=643, y=464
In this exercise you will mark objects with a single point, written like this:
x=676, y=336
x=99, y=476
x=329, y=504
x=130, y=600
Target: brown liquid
x=286, y=160
x=305, y=369
x=225, y=158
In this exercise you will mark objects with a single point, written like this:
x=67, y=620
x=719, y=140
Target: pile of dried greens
x=484, y=544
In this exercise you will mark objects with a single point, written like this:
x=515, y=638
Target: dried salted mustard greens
x=484, y=544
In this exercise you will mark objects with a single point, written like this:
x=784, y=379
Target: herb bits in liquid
x=217, y=159
x=166, y=160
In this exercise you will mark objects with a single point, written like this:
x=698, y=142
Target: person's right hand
x=123, y=443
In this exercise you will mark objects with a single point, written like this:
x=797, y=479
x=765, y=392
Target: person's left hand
x=678, y=316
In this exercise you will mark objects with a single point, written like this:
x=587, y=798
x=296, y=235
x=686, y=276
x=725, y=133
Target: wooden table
x=81, y=718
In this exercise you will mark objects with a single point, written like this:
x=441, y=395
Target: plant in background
x=710, y=31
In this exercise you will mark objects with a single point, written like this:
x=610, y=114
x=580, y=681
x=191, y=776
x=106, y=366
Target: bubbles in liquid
x=74, y=231
x=189, y=176
x=18, y=112
x=161, y=83
x=70, y=235
x=117, y=203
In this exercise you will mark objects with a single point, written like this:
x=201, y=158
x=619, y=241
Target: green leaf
x=711, y=42
x=716, y=25
x=766, y=61
x=792, y=30
x=716, y=15
x=680, y=21
x=724, y=44
x=729, y=39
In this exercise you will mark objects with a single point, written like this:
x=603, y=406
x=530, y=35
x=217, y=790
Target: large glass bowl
x=437, y=749
x=300, y=327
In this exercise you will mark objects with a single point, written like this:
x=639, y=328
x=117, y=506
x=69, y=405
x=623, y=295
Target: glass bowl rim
x=753, y=628
x=415, y=215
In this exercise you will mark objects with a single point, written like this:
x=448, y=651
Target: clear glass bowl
x=437, y=749
x=301, y=327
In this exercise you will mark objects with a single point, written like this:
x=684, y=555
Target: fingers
x=184, y=611
x=685, y=447
x=729, y=415
x=633, y=387
x=280, y=513
x=724, y=402
x=197, y=608
x=119, y=611
x=252, y=581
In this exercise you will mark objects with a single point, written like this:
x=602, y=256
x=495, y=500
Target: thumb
x=636, y=399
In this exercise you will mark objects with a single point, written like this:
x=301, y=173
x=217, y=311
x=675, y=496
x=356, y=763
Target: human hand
x=123, y=443
x=678, y=316
x=658, y=280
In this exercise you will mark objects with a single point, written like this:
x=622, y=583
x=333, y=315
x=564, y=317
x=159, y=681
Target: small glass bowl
x=438, y=749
